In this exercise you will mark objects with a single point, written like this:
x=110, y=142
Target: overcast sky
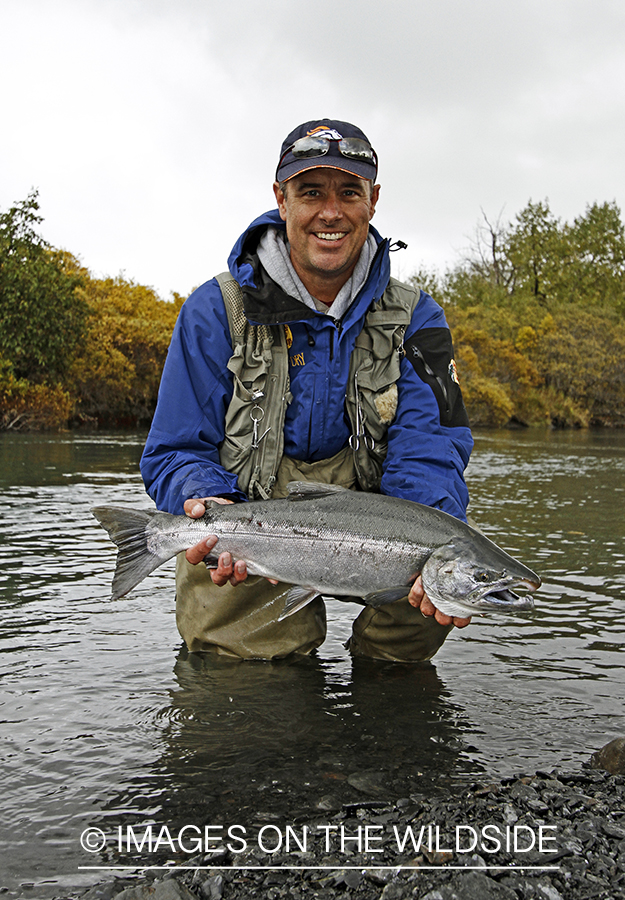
x=151, y=128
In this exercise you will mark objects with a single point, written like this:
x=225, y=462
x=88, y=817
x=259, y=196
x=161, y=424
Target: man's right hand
x=420, y=600
x=227, y=571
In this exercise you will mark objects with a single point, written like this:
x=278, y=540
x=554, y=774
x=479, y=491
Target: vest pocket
x=246, y=405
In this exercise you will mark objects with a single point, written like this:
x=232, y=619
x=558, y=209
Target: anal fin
x=297, y=598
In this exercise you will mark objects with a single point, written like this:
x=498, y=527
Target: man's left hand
x=420, y=600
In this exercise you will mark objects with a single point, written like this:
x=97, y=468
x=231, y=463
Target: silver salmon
x=332, y=542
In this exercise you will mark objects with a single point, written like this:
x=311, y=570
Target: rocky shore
x=550, y=836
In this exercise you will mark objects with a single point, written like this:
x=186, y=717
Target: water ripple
x=104, y=718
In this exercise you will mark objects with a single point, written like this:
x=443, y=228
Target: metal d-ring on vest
x=359, y=432
x=256, y=419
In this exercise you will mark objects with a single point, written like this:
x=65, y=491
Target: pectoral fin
x=297, y=598
x=387, y=595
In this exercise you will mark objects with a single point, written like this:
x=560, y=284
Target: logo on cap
x=321, y=131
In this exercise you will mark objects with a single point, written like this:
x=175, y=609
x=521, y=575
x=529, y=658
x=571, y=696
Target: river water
x=106, y=722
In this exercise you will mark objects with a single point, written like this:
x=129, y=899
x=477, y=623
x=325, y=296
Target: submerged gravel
x=579, y=817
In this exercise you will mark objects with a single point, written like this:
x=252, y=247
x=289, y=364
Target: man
x=307, y=362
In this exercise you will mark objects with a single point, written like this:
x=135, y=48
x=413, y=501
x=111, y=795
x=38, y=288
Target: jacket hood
x=265, y=302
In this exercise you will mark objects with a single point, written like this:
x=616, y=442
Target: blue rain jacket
x=426, y=459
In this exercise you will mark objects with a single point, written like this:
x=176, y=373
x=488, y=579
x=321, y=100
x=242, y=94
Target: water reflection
x=42, y=459
x=277, y=741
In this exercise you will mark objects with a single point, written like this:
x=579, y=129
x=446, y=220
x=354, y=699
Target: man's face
x=327, y=214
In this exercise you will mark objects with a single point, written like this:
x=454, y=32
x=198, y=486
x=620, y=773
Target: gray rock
x=587, y=830
x=546, y=891
x=103, y=891
x=524, y=887
x=611, y=757
x=367, y=782
x=328, y=803
x=394, y=891
x=160, y=890
x=521, y=791
x=379, y=876
x=510, y=815
x=213, y=887
x=472, y=886
x=350, y=878
x=476, y=886
x=613, y=830
x=473, y=861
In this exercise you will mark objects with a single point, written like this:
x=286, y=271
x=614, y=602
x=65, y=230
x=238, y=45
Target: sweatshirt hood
x=265, y=302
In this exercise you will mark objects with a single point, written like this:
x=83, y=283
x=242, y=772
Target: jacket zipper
x=338, y=329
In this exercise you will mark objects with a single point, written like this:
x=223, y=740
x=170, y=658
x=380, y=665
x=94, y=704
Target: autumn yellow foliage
x=33, y=407
x=116, y=375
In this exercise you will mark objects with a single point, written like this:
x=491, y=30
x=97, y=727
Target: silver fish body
x=333, y=542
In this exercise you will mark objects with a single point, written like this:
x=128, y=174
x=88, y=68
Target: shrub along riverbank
x=537, y=310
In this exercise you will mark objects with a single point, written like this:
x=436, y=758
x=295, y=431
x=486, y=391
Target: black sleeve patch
x=431, y=354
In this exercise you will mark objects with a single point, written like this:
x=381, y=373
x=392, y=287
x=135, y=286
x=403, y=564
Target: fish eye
x=483, y=576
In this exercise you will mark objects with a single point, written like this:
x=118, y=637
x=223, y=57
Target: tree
x=42, y=319
x=537, y=313
x=115, y=377
x=597, y=250
x=536, y=252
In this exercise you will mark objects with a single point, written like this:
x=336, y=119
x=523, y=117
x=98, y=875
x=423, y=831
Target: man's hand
x=420, y=600
x=227, y=571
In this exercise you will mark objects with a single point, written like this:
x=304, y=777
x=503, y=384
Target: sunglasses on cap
x=312, y=146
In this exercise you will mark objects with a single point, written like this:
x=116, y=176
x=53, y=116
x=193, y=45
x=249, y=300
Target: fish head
x=473, y=575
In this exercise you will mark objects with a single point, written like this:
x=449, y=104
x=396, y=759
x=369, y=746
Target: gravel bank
x=479, y=844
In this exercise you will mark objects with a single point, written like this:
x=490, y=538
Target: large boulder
x=611, y=757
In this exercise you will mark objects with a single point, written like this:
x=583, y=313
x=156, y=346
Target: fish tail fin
x=127, y=528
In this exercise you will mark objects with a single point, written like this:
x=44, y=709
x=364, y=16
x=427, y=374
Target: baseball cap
x=327, y=143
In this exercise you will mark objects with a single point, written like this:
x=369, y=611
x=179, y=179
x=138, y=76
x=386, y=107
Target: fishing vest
x=253, y=445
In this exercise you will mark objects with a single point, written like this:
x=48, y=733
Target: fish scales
x=336, y=546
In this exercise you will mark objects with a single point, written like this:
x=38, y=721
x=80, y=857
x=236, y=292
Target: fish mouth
x=504, y=598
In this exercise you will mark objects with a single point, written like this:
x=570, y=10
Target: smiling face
x=327, y=214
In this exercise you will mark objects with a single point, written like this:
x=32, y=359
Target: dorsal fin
x=310, y=490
